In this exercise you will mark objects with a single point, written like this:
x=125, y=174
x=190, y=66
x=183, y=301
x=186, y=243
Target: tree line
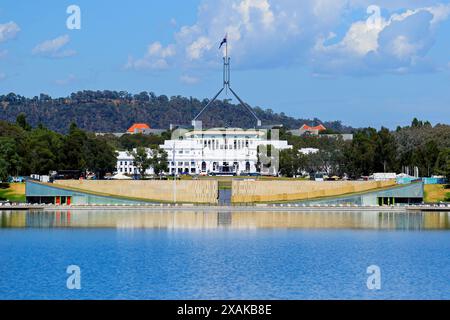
x=116, y=111
x=25, y=150
x=419, y=145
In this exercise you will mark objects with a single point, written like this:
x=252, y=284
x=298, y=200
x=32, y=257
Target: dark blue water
x=223, y=263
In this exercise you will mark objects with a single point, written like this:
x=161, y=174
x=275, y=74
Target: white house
x=308, y=151
x=125, y=163
x=218, y=151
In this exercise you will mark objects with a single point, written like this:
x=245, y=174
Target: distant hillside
x=111, y=111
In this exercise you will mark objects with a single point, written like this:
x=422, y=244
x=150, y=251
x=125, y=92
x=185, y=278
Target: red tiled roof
x=138, y=127
x=320, y=127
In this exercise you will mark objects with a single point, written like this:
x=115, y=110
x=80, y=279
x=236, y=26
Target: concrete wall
x=269, y=191
x=192, y=191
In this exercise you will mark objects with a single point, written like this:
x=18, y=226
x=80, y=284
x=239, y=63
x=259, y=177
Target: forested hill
x=111, y=111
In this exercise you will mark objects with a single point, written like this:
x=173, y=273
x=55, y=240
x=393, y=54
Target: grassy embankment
x=436, y=193
x=14, y=193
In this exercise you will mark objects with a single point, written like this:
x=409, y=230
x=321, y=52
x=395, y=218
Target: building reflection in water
x=122, y=219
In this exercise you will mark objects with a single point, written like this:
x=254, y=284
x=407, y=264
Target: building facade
x=218, y=151
x=125, y=163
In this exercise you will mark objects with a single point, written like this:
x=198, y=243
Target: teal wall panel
x=34, y=189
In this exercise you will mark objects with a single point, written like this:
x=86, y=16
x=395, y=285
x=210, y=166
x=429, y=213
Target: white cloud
x=54, y=48
x=3, y=53
x=397, y=44
x=157, y=50
x=248, y=7
x=190, y=80
x=440, y=13
x=2, y=76
x=156, y=58
x=196, y=50
x=8, y=31
x=282, y=33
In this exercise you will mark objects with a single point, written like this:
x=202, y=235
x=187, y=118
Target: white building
x=125, y=163
x=217, y=151
x=308, y=151
x=384, y=176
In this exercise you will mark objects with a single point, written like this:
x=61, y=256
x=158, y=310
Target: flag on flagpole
x=224, y=41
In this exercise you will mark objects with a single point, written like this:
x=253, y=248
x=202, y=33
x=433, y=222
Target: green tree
x=132, y=141
x=361, y=156
x=159, y=161
x=141, y=160
x=4, y=172
x=9, y=159
x=292, y=163
x=416, y=123
x=44, y=151
x=75, y=149
x=443, y=163
x=385, y=152
x=101, y=157
x=21, y=121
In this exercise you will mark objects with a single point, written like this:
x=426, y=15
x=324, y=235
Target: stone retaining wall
x=270, y=191
x=192, y=191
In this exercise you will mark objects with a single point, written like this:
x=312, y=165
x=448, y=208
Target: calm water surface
x=223, y=255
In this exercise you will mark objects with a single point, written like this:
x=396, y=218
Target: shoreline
x=253, y=208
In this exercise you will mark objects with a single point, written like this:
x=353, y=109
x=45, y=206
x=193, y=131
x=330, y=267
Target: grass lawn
x=436, y=193
x=15, y=192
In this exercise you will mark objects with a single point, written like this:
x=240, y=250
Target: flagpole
x=227, y=66
x=226, y=48
x=227, y=85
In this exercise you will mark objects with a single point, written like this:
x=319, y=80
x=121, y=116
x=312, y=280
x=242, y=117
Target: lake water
x=223, y=255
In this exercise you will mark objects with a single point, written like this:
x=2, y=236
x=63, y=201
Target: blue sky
x=331, y=59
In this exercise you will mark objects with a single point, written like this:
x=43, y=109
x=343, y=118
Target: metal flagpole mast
x=226, y=86
x=226, y=68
